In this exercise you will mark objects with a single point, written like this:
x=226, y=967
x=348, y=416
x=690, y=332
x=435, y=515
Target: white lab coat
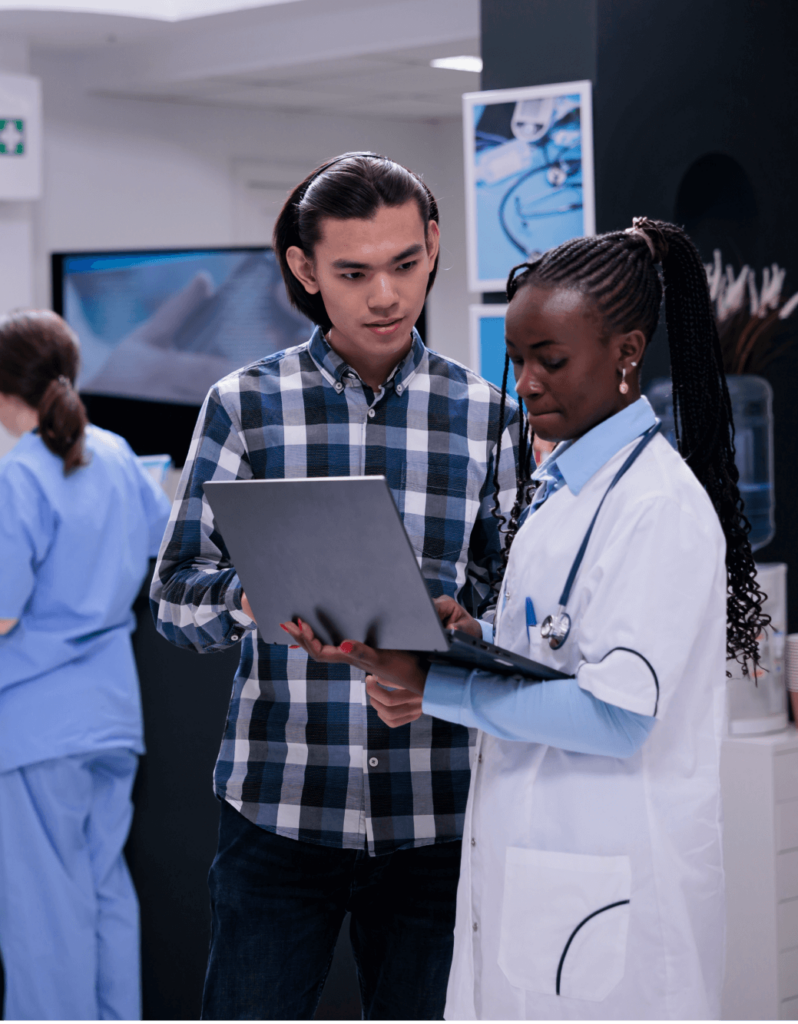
x=556, y=843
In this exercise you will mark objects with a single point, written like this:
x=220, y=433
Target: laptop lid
x=331, y=550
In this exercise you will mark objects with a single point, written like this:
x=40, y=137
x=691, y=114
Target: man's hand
x=542, y=449
x=396, y=706
x=454, y=616
x=246, y=607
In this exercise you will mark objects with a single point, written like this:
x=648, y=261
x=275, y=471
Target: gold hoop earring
x=623, y=387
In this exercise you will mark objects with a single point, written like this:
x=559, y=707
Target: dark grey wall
x=675, y=80
x=534, y=42
x=173, y=839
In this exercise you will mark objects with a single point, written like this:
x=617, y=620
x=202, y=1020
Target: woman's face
x=566, y=373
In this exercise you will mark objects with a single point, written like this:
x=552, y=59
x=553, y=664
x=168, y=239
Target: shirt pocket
x=564, y=924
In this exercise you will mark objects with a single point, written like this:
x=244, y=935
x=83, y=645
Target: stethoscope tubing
x=557, y=627
x=633, y=456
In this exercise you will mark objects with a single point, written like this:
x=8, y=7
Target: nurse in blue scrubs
x=80, y=520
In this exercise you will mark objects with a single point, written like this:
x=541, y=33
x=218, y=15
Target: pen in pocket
x=531, y=620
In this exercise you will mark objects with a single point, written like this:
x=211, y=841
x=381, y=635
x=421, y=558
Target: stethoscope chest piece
x=555, y=628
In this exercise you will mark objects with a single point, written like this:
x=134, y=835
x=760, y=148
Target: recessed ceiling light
x=463, y=63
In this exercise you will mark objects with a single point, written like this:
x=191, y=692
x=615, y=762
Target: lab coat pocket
x=565, y=918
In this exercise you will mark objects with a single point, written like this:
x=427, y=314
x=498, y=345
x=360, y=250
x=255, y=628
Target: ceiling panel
x=204, y=61
x=395, y=84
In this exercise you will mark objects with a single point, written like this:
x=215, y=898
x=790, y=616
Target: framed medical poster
x=486, y=336
x=529, y=175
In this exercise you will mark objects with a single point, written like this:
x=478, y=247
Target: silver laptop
x=333, y=551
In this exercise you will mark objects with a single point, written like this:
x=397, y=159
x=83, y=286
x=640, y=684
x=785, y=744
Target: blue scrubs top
x=74, y=551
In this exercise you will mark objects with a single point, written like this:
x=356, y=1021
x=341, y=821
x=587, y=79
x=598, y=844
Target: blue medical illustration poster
x=529, y=175
x=487, y=345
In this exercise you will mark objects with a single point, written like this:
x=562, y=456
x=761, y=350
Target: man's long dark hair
x=618, y=273
x=354, y=185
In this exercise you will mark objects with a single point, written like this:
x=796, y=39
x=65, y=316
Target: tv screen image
x=164, y=326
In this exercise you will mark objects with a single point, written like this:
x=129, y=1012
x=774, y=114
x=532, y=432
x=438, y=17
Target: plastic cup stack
x=791, y=658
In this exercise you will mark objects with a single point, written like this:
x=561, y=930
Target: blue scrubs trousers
x=69, y=929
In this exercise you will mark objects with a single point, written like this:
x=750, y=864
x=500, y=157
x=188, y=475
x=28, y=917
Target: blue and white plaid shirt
x=304, y=754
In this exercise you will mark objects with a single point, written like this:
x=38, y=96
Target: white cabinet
x=759, y=779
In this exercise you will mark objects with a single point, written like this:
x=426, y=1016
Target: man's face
x=372, y=275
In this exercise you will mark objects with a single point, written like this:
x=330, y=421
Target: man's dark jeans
x=277, y=908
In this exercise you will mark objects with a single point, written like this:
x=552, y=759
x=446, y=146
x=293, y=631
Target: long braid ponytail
x=705, y=430
x=618, y=271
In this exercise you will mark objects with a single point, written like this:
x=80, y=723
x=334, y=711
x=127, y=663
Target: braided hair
x=618, y=272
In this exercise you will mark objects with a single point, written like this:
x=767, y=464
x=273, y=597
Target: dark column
x=173, y=839
x=695, y=108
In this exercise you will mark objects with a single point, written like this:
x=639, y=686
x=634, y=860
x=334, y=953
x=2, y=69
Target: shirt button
x=479, y=759
x=399, y=389
x=235, y=636
x=473, y=842
x=339, y=387
x=372, y=414
x=476, y=926
x=373, y=762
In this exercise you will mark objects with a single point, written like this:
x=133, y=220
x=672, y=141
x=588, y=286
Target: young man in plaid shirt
x=324, y=808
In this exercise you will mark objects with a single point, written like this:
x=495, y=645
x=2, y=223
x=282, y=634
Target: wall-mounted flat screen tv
x=163, y=326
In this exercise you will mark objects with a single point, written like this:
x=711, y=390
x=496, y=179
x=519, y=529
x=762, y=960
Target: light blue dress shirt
x=74, y=551
x=555, y=712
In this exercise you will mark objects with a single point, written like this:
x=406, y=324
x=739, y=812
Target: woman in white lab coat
x=592, y=876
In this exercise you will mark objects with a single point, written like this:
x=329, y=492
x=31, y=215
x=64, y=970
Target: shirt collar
x=334, y=367
x=577, y=461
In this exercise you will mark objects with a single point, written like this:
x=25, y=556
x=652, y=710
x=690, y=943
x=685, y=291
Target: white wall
x=128, y=173
x=447, y=321
x=16, y=227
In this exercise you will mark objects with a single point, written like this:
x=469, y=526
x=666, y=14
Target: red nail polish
x=285, y=628
x=293, y=647
x=300, y=622
x=346, y=647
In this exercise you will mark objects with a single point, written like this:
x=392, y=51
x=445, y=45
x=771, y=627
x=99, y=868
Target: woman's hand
x=454, y=616
x=395, y=668
x=405, y=672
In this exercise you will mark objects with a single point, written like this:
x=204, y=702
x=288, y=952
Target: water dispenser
x=752, y=408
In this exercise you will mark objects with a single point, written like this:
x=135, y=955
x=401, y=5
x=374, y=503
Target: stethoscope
x=555, y=628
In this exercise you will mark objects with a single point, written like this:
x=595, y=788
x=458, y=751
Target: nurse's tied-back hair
x=39, y=357
x=618, y=271
x=354, y=185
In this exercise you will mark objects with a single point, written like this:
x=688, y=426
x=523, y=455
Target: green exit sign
x=12, y=136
